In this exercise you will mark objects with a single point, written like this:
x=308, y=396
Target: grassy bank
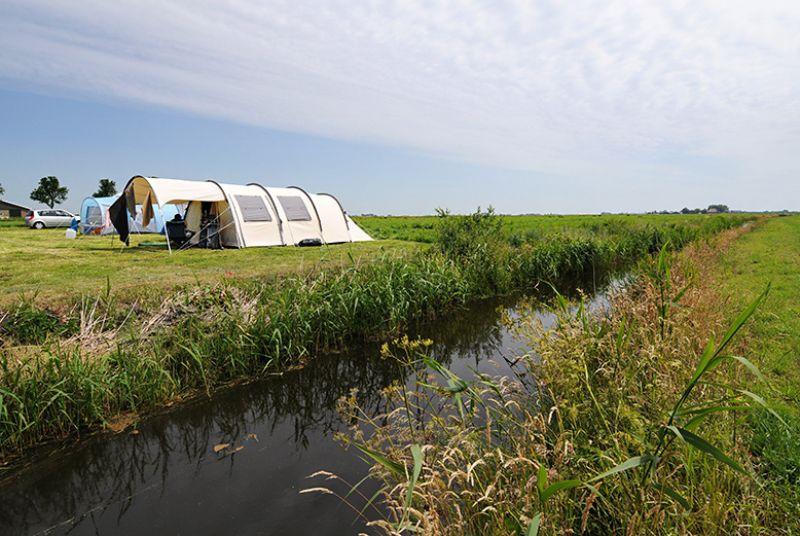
x=772, y=254
x=65, y=373
x=635, y=421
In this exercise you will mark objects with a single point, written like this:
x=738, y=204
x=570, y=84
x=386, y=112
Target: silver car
x=54, y=217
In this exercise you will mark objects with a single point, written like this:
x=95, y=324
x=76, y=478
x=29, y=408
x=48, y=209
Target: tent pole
x=314, y=206
x=166, y=234
x=274, y=209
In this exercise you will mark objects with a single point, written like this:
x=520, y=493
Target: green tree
x=106, y=188
x=50, y=192
x=2, y=190
x=719, y=208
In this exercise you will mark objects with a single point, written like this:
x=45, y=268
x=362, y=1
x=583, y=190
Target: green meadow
x=528, y=227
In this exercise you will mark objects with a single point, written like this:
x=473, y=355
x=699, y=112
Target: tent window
x=294, y=208
x=253, y=208
x=94, y=216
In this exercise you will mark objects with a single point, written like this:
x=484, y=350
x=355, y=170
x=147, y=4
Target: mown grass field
x=55, y=269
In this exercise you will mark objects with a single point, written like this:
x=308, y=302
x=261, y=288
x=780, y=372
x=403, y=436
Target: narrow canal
x=167, y=478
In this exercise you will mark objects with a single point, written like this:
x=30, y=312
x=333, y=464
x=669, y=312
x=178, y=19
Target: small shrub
x=477, y=243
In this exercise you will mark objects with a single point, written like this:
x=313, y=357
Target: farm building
x=10, y=210
x=235, y=215
x=95, y=219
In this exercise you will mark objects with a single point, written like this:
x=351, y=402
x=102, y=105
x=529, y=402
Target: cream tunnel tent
x=239, y=215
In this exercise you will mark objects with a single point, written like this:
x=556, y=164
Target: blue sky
x=402, y=107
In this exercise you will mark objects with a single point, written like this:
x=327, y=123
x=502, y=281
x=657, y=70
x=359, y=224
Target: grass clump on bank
x=632, y=420
x=27, y=324
x=115, y=359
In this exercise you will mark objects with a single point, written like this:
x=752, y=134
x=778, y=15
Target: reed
x=632, y=420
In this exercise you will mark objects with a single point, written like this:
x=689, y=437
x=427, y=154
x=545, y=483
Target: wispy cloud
x=609, y=89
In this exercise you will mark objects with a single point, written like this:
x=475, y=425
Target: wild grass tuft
x=25, y=323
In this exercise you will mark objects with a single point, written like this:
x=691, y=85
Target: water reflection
x=168, y=479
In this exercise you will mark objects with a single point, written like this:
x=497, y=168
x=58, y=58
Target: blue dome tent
x=95, y=219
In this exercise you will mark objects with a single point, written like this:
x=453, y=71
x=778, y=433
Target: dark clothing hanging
x=118, y=212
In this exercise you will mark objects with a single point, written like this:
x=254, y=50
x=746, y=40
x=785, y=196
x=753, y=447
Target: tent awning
x=173, y=191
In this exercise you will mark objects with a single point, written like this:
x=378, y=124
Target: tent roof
x=168, y=191
x=102, y=201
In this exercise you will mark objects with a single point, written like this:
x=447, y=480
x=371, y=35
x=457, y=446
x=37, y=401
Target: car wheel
x=38, y=225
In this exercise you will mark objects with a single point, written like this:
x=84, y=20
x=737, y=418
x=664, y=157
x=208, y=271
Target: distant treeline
x=712, y=209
